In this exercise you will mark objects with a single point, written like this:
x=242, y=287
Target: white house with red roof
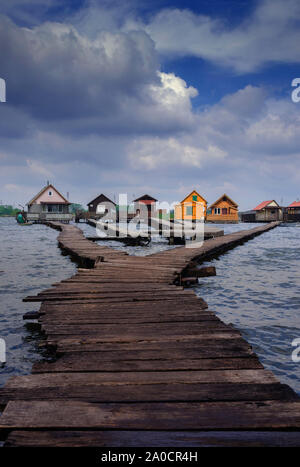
x=49, y=205
x=268, y=211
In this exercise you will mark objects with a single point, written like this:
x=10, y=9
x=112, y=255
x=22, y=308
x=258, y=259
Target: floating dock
x=140, y=361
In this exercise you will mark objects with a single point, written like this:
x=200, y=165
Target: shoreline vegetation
x=8, y=211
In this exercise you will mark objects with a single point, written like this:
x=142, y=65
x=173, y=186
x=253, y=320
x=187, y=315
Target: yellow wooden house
x=193, y=207
x=224, y=210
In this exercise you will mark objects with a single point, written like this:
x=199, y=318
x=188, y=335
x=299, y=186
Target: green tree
x=76, y=207
x=8, y=210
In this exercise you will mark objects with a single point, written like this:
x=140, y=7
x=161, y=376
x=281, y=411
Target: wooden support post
x=160, y=222
x=202, y=272
x=186, y=281
x=98, y=260
x=31, y=315
x=171, y=239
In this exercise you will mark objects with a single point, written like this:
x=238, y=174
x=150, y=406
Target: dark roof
x=145, y=198
x=100, y=199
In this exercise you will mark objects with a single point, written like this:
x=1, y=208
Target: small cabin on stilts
x=49, y=205
x=223, y=211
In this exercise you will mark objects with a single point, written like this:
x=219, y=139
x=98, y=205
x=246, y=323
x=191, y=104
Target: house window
x=55, y=208
x=50, y=193
x=224, y=211
x=217, y=210
x=195, y=198
x=189, y=211
x=209, y=211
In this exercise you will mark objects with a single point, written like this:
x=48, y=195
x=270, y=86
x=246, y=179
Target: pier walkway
x=140, y=361
x=175, y=232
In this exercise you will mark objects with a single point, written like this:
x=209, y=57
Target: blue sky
x=150, y=96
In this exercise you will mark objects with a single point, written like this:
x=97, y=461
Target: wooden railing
x=222, y=217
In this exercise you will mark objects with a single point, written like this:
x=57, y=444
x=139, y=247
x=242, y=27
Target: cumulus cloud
x=268, y=35
x=38, y=168
x=155, y=153
x=246, y=140
x=28, y=12
x=90, y=109
x=75, y=84
x=252, y=122
x=277, y=131
x=235, y=145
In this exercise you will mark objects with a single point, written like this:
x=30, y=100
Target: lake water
x=257, y=288
x=29, y=262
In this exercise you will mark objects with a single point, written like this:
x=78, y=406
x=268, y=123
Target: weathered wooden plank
x=95, y=298
x=82, y=291
x=206, y=347
x=61, y=380
x=185, y=304
x=138, y=331
x=99, y=287
x=130, y=361
x=151, y=416
x=153, y=438
x=128, y=341
x=89, y=319
x=168, y=391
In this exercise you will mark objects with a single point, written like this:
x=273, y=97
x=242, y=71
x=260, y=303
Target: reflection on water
x=256, y=289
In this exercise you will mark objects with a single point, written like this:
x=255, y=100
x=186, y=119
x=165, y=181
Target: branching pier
x=140, y=361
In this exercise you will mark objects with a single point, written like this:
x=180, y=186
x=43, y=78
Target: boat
x=21, y=219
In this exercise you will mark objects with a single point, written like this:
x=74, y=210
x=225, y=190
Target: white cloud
x=75, y=84
x=38, y=168
x=156, y=153
x=172, y=92
x=90, y=108
x=269, y=35
x=11, y=187
x=277, y=131
x=243, y=145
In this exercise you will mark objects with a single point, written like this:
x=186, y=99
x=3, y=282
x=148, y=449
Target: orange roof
x=194, y=191
x=227, y=197
x=295, y=204
x=263, y=205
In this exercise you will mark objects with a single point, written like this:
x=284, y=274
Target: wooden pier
x=139, y=361
x=174, y=232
